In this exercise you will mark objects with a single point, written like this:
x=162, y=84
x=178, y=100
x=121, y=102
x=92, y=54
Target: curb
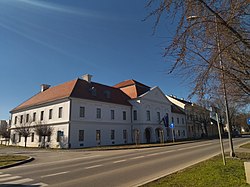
x=18, y=163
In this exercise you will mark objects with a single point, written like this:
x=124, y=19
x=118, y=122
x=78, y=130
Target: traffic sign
x=171, y=125
x=248, y=121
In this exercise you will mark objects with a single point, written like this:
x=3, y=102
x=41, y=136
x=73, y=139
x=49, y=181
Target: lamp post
x=232, y=153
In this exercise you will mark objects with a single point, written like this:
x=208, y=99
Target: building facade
x=82, y=113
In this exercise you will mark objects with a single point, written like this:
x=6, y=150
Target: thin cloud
x=64, y=9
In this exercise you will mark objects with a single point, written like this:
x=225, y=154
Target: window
x=82, y=112
x=34, y=116
x=59, y=135
x=178, y=121
x=112, y=134
x=98, y=113
x=172, y=119
x=148, y=115
x=107, y=94
x=183, y=133
x=98, y=135
x=27, y=118
x=124, y=115
x=112, y=112
x=32, y=137
x=182, y=120
x=20, y=136
x=158, y=116
x=124, y=134
x=15, y=120
x=50, y=113
x=81, y=135
x=21, y=119
x=135, y=115
x=60, y=112
x=48, y=138
x=41, y=117
x=179, y=132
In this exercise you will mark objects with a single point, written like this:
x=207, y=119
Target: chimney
x=44, y=87
x=87, y=77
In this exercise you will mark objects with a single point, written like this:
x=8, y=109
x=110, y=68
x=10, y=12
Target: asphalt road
x=107, y=168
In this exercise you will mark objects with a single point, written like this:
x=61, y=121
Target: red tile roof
x=132, y=88
x=77, y=89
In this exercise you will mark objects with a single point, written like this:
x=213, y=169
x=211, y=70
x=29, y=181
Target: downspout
x=131, y=121
x=70, y=109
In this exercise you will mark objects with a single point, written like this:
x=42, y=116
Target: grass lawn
x=10, y=159
x=210, y=173
x=246, y=146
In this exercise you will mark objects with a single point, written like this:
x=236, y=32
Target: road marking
x=9, y=178
x=95, y=166
x=137, y=157
x=153, y=154
x=118, y=161
x=58, y=161
x=21, y=181
x=40, y=184
x=193, y=147
x=54, y=174
x=5, y=175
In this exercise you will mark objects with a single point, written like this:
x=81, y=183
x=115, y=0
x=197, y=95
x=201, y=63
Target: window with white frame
x=112, y=113
x=32, y=137
x=148, y=115
x=15, y=120
x=98, y=113
x=178, y=121
x=82, y=111
x=124, y=114
x=125, y=134
x=21, y=119
x=50, y=113
x=98, y=135
x=27, y=118
x=158, y=116
x=60, y=112
x=182, y=120
x=135, y=115
x=41, y=115
x=34, y=116
x=81, y=135
x=112, y=134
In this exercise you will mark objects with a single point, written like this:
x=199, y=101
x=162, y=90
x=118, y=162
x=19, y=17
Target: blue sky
x=54, y=41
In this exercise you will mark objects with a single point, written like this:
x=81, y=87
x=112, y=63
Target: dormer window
x=93, y=91
x=107, y=94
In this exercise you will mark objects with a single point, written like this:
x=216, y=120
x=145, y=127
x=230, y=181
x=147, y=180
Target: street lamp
x=232, y=153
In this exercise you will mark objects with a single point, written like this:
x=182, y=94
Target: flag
x=165, y=120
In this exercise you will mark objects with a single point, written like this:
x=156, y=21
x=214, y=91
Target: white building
x=86, y=114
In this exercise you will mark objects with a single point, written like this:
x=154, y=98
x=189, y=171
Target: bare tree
x=4, y=132
x=24, y=127
x=211, y=39
x=43, y=130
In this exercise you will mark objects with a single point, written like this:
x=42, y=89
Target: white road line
x=21, y=181
x=58, y=161
x=119, y=161
x=54, y=174
x=9, y=178
x=193, y=147
x=154, y=154
x=5, y=175
x=137, y=157
x=95, y=166
x=40, y=184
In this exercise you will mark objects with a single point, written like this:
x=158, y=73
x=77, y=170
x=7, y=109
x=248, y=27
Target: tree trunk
x=25, y=141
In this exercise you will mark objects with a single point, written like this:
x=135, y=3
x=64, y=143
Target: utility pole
x=232, y=153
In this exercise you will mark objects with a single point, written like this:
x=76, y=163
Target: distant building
x=197, y=118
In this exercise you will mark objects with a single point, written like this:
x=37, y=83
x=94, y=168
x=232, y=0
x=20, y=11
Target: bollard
x=247, y=171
